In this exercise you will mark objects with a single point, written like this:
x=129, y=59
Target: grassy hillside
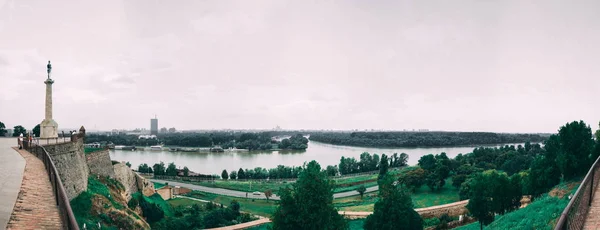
x=542, y=213
x=104, y=203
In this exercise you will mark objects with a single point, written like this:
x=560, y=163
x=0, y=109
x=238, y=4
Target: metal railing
x=574, y=215
x=62, y=201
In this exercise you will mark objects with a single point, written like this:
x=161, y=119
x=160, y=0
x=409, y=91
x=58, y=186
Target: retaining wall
x=127, y=177
x=99, y=163
x=71, y=164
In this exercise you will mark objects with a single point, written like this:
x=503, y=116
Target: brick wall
x=99, y=163
x=70, y=162
x=127, y=177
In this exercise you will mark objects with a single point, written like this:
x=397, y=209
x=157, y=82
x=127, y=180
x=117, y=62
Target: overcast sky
x=504, y=66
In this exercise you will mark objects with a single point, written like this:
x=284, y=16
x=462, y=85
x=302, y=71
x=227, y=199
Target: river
x=325, y=154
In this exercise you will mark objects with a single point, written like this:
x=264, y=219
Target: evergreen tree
x=224, y=175
x=393, y=210
x=309, y=204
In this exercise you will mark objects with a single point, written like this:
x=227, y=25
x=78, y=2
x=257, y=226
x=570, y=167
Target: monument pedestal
x=48, y=129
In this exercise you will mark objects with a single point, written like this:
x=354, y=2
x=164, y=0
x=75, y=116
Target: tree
x=361, y=190
x=171, y=169
x=268, y=194
x=233, y=175
x=17, y=130
x=543, y=175
x=36, y=130
x=309, y=203
x=224, y=175
x=413, y=179
x=480, y=205
x=383, y=166
x=241, y=174
x=576, y=147
x=393, y=210
x=159, y=169
x=332, y=170
x=128, y=164
x=186, y=171
x=2, y=129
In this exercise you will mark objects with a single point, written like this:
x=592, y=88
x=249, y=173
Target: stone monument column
x=48, y=127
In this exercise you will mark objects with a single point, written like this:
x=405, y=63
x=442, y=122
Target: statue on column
x=49, y=66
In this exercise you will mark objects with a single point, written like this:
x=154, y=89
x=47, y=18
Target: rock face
x=146, y=186
x=69, y=159
x=127, y=177
x=99, y=163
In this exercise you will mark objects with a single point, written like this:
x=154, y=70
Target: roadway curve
x=234, y=193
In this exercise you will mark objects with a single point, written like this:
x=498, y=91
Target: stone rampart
x=127, y=177
x=69, y=159
x=99, y=163
x=144, y=185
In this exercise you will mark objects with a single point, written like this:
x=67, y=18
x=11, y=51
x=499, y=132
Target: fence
x=574, y=215
x=62, y=201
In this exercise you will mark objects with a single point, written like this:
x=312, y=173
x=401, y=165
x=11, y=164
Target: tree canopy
x=393, y=210
x=17, y=130
x=309, y=203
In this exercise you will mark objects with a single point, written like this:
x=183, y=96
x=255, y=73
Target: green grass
x=158, y=185
x=82, y=204
x=157, y=199
x=176, y=202
x=423, y=197
x=542, y=213
x=354, y=187
x=244, y=186
x=258, y=207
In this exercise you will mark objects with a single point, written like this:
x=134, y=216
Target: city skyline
x=507, y=66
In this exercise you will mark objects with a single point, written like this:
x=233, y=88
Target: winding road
x=234, y=193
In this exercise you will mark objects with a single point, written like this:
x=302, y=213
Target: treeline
x=421, y=139
x=250, y=141
x=280, y=172
x=368, y=162
x=159, y=169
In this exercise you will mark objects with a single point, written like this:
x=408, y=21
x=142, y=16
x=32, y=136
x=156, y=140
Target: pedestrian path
x=36, y=205
x=593, y=216
x=11, y=175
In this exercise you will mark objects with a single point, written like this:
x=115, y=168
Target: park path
x=11, y=176
x=36, y=205
x=234, y=193
x=592, y=220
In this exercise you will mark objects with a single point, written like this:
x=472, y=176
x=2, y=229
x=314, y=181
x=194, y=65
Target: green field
x=254, y=206
x=158, y=185
x=244, y=186
x=423, y=197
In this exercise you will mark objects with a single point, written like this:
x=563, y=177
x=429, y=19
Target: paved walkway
x=234, y=193
x=36, y=205
x=593, y=217
x=11, y=175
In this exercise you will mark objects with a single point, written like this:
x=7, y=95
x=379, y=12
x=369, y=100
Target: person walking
x=21, y=141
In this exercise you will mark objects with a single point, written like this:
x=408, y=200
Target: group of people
x=20, y=140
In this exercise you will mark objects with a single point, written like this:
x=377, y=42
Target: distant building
x=154, y=126
x=147, y=137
